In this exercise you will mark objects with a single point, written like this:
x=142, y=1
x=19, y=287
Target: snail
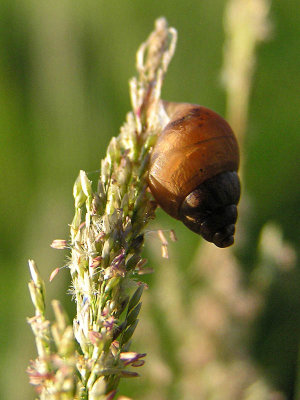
x=193, y=171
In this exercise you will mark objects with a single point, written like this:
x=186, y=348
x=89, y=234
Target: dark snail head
x=192, y=172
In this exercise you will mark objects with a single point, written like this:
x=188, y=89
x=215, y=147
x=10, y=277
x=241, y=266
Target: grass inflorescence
x=86, y=360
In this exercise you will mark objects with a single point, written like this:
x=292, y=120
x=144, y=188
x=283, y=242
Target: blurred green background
x=64, y=70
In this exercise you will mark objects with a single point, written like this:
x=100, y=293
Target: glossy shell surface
x=196, y=145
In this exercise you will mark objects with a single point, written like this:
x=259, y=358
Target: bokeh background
x=216, y=324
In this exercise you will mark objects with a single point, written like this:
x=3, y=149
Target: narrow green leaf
x=133, y=314
x=135, y=298
x=129, y=332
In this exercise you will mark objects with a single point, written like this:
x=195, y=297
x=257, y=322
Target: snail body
x=193, y=171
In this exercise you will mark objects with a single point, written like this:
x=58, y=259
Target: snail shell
x=193, y=171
